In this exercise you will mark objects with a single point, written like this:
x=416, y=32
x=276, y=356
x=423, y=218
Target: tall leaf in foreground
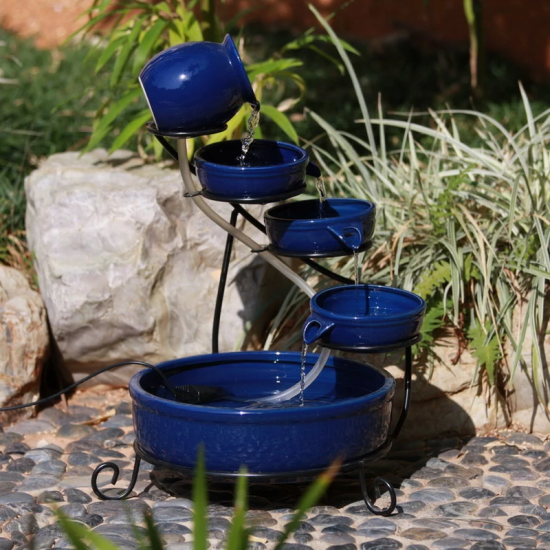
x=315, y=491
x=200, y=497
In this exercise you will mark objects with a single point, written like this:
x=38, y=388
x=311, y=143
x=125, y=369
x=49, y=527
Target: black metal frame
x=357, y=464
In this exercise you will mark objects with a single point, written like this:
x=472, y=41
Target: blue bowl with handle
x=312, y=228
x=196, y=87
x=346, y=413
x=364, y=316
x=272, y=170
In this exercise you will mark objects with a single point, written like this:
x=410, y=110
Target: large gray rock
x=128, y=267
x=24, y=340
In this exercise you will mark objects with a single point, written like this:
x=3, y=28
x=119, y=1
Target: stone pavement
x=483, y=493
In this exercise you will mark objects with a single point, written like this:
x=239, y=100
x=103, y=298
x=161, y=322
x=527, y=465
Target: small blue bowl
x=196, y=87
x=334, y=227
x=346, y=413
x=273, y=170
x=364, y=316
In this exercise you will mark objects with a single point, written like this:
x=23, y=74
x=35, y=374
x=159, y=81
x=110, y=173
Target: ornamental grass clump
x=466, y=225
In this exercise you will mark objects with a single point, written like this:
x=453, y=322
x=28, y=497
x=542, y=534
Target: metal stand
x=380, y=481
x=360, y=463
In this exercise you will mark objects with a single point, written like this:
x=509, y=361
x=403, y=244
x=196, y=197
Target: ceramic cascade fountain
x=281, y=415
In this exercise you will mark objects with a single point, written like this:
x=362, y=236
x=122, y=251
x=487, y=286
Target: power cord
x=165, y=381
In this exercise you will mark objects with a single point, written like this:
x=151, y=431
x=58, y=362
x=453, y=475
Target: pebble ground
x=480, y=493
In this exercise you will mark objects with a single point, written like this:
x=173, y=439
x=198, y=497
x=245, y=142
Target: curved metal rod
x=116, y=472
x=190, y=186
x=259, y=225
x=221, y=285
x=378, y=482
x=407, y=396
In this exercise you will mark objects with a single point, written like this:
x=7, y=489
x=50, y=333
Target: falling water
x=357, y=275
x=303, y=373
x=248, y=136
x=322, y=195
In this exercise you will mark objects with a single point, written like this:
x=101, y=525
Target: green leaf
x=147, y=43
x=122, y=59
x=486, y=351
x=108, y=52
x=162, y=7
x=200, y=521
x=78, y=532
x=281, y=120
x=130, y=130
x=192, y=28
x=155, y=541
x=314, y=492
x=116, y=108
x=433, y=320
x=239, y=534
x=433, y=279
x=271, y=67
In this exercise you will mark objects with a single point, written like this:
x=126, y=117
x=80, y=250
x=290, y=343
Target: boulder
x=128, y=267
x=445, y=400
x=24, y=341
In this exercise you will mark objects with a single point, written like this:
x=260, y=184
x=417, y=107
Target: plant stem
x=473, y=13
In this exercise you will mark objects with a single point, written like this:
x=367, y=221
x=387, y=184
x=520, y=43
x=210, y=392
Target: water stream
x=320, y=184
x=303, y=359
x=248, y=137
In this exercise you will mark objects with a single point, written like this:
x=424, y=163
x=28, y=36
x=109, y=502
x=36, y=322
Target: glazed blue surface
x=196, y=86
x=363, y=315
x=347, y=413
x=311, y=228
x=271, y=168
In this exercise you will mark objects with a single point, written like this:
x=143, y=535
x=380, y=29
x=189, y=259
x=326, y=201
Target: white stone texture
x=128, y=267
x=24, y=341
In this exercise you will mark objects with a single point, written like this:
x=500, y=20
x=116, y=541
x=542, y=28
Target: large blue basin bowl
x=347, y=413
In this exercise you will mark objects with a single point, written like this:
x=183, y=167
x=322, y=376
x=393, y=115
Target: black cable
x=171, y=151
x=221, y=284
x=165, y=380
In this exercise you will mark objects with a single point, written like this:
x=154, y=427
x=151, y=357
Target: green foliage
x=485, y=349
x=464, y=222
x=433, y=280
x=46, y=108
x=139, y=30
x=238, y=538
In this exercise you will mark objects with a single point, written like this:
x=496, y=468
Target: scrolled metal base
x=116, y=472
x=378, y=483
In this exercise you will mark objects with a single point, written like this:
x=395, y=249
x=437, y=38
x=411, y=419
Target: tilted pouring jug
x=196, y=87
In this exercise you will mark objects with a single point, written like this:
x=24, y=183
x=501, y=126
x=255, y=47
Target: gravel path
x=483, y=493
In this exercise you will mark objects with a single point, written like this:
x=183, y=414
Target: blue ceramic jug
x=196, y=87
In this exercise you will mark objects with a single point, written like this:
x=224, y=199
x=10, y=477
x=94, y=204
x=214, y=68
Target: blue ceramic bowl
x=311, y=228
x=272, y=170
x=364, y=316
x=347, y=413
x=196, y=87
